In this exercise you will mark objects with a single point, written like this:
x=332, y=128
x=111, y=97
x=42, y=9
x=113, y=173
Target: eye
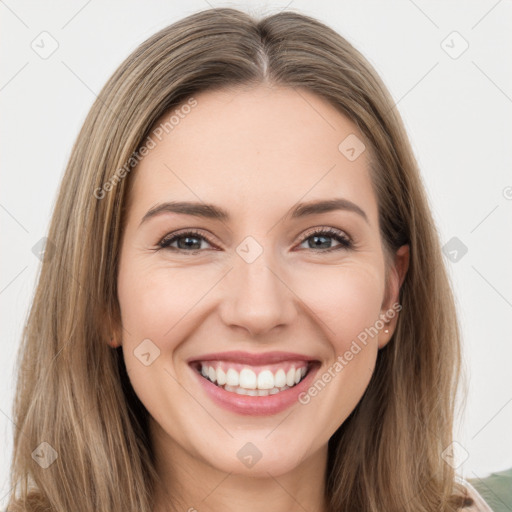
x=189, y=241
x=320, y=235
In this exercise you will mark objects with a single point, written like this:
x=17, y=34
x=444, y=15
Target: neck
x=191, y=484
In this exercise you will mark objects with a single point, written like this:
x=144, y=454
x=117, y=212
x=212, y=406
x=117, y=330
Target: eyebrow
x=211, y=211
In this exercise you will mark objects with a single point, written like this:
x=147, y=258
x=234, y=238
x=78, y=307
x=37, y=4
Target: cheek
x=153, y=300
x=153, y=307
x=346, y=299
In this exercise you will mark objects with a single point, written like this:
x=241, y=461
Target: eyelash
x=344, y=241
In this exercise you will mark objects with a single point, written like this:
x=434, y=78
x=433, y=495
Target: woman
x=245, y=304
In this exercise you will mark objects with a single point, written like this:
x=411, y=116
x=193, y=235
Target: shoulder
x=479, y=505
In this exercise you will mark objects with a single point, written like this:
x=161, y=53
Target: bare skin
x=255, y=152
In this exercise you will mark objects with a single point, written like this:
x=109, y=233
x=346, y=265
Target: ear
x=116, y=338
x=114, y=342
x=395, y=278
x=112, y=331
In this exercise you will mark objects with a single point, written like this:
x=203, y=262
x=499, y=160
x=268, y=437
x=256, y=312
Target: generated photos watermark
x=172, y=120
x=344, y=359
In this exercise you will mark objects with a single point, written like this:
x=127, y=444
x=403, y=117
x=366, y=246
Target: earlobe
x=385, y=335
x=111, y=331
x=112, y=342
x=115, y=339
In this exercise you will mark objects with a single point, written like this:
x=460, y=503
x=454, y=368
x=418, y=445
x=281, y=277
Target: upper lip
x=252, y=358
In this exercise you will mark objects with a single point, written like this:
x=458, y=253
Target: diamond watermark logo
x=44, y=455
x=45, y=45
x=455, y=454
x=146, y=352
x=351, y=147
x=455, y=249
x=249, y=455
x=44, y=247
x=454, y=45
x=249, y=249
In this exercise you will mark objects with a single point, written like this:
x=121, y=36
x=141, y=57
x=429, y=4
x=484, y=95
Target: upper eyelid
x=183, y=232
x=338, y=231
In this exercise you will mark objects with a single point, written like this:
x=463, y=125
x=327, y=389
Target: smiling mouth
x=243, y=379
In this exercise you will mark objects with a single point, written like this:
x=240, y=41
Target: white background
x=457, y=113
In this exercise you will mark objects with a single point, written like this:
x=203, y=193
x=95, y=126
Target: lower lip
x=256, y=405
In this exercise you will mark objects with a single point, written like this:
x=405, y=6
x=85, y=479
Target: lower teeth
x=253, y=392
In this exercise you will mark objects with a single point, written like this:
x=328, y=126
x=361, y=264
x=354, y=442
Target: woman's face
x=253, y=298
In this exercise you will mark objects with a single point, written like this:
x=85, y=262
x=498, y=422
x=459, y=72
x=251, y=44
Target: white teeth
x=265, y=380
x=221, y=377
x=280, y=379
x=232, y=377
x=246, y=382
x=248, y=379
x=277, y=390
x=254, y=392
x=235, y=389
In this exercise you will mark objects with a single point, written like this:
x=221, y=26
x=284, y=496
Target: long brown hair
x=73, y=392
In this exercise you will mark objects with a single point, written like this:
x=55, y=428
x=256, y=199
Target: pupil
x=317, y=237
x=186, y=243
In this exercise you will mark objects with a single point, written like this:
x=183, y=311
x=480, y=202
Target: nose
x=257, y=297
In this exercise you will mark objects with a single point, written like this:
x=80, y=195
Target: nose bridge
x=256, y=296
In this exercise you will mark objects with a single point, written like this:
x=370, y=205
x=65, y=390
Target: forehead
x=257, y=150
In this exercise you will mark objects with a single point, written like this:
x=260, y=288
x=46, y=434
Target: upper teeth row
x=248, y=379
